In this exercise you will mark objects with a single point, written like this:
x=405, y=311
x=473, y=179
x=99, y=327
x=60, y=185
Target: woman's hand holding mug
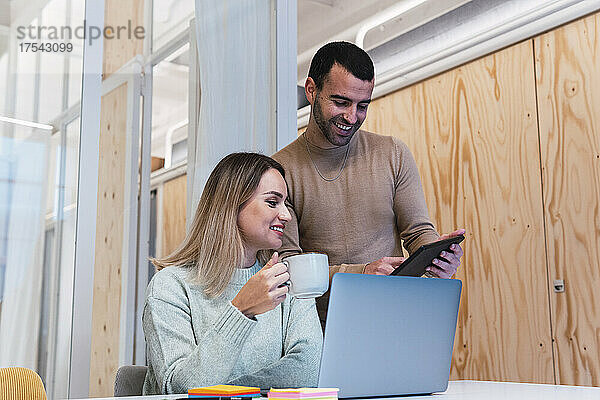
x=265, y=290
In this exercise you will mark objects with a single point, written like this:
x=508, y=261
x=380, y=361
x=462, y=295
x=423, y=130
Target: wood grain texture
x=174, y=203
x=109, y=243
x=473, y=132
x=568, y=83
x=119, y=50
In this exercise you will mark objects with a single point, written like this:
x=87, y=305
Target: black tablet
x=422, y=258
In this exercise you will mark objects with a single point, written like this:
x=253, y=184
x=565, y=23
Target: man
x=353, y=194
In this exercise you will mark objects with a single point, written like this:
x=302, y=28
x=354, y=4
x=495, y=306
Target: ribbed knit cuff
x=353, y=268
x=233, y=325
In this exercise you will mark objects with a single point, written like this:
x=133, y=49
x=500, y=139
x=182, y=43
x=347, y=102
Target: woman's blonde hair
x=213, y=248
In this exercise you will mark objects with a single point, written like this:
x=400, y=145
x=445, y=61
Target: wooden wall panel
x=473, y=132
x=109, y=243
x=568, y=80
x=118, y=51
x=173, y=206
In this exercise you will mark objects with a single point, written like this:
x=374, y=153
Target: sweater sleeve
x=410, y=208
x=180, y=357
x=302, y=344
x=349, y=268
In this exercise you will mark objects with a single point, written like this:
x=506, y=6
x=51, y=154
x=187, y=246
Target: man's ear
x=310, y=90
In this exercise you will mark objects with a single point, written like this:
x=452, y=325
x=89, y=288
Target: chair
x=130, y=380
x=17, y=383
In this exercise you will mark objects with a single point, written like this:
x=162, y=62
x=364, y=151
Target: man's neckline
x=324, y=150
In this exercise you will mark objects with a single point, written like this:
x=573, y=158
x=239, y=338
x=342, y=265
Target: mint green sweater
x=195, y=341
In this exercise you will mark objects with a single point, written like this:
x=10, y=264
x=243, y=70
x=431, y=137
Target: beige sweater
x=365, y=214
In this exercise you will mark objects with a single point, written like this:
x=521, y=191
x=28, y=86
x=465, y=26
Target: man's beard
x=325, y=126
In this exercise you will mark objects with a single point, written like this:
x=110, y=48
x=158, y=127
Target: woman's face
x=263, y=217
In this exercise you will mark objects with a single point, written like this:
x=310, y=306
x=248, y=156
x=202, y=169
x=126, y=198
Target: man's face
x=340, y=107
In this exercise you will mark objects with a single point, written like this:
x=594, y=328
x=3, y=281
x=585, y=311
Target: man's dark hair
x=354, y=59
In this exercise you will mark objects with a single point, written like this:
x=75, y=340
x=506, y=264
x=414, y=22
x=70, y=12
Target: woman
x=216, y=314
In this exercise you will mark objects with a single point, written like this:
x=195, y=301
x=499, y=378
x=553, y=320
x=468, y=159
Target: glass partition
x=4, y=41
x=170, y=107
x=169, y=19
x=39, y=166
x=24, y=158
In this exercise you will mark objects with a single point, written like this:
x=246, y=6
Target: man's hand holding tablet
x=438, y=259
x=443, y=262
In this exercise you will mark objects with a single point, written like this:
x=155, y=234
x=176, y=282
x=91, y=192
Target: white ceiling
x=321, y=21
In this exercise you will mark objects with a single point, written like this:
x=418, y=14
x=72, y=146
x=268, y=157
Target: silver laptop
x=389, y=335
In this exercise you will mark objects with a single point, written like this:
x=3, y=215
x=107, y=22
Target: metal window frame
x=194, y=98
x=87, y=201
x=131, y=75
x=55, y=276
x=138, y=350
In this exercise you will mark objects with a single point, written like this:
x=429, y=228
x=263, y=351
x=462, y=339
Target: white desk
x=479, y=390
x=473, y=390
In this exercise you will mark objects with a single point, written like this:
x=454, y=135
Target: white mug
x=309, y=274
